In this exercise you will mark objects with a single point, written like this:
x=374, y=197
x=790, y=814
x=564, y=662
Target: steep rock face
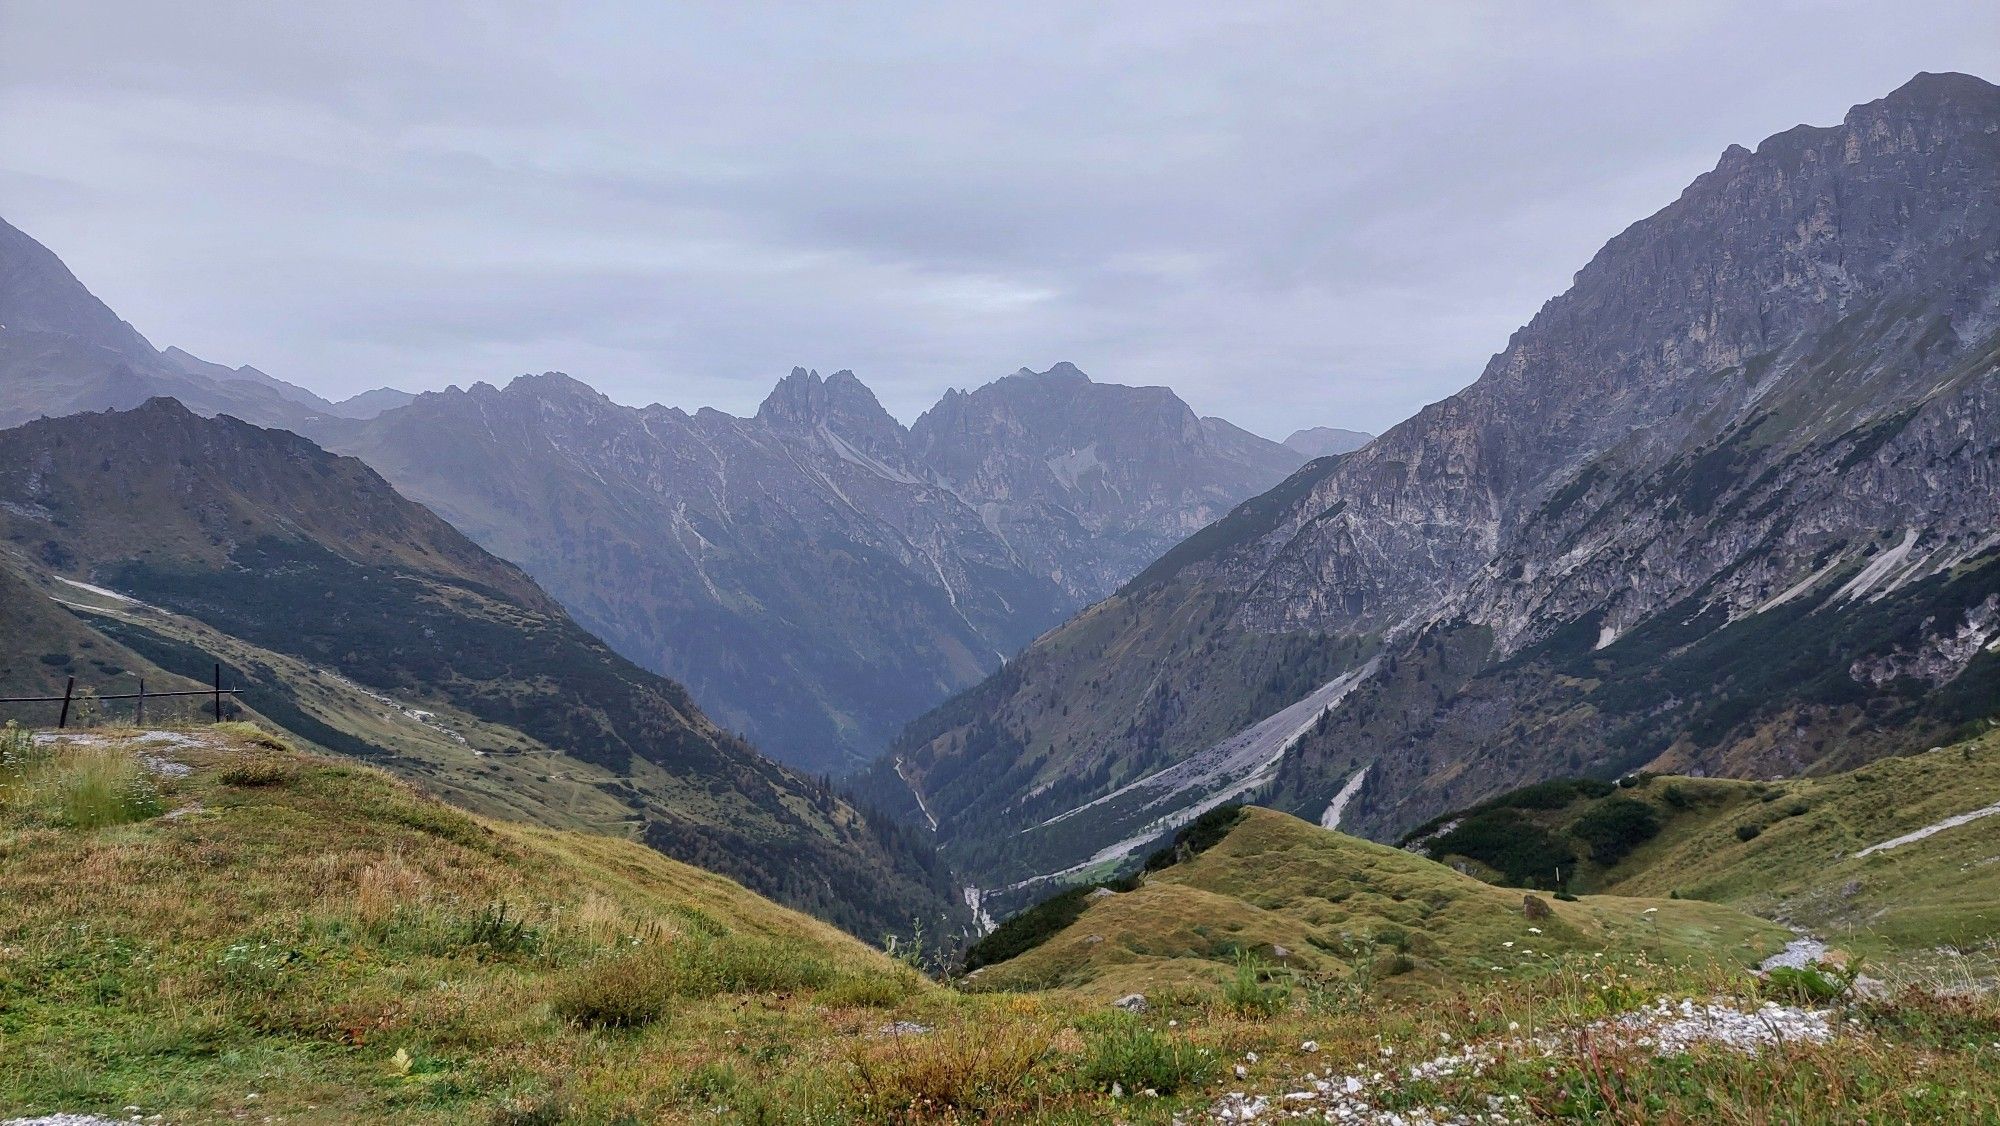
x=311, y=577
x=1776, y=394
x=1089, y=482
x=817, y=574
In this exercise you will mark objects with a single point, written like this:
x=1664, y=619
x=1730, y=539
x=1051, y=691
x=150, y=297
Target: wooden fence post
x=62, y=720
x=218, y=693
x=139, y=709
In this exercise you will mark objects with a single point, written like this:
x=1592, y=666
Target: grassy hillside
x=365, y=625
x=266, y=934
x=1788, y=849
x=1342, y=908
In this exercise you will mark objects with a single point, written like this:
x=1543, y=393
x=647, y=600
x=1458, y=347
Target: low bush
x=1137, y=1059
x=74, y=786
x=258, y=771
x=1251, y=991
x=1748, y=832
x=497, y=931
x=642, y=986
x=968, y=1074
x=1808, y=985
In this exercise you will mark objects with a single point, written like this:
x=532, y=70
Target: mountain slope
x=63, y=351
x=323, y=589
x=818, y=574
x=1326, y=904
x=338, y=945
x=1828, y=854
x=1756, y=438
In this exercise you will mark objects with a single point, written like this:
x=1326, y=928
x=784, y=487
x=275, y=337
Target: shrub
x=1675, y=796
x=1138, y=1058
x=1808, y=984
x=971, y=1074
x=493, y=929
x=1250, y=992
x=1523, y=852
x=1797, y=808
x=262, y=770
x=1748, y=832
x=642, y=986
x=1614, y=829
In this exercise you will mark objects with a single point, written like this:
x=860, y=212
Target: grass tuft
x=73, y=786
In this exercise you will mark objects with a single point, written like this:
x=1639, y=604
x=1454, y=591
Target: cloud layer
x=1294, y=214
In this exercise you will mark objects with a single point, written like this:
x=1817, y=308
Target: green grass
x=1787, y=849
x=345, y=949
x=1335, y=904
x=72, y=785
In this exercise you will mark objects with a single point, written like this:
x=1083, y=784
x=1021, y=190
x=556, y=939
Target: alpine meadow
x=530, y=706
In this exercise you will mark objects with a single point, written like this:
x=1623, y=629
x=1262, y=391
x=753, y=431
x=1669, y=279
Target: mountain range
x=1727, y=505
x=818, y=574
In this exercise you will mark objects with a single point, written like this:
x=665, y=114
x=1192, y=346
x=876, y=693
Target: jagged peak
x=804, y=399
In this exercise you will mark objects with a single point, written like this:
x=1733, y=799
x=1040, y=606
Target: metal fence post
x=62, y=720
x=218, y=693
x=139, y=709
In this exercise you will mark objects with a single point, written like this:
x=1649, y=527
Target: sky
x=1293, y=214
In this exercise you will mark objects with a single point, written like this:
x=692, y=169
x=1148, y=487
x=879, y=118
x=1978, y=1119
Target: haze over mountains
x=819, y=574
x=1728, y=504
x=63, y=351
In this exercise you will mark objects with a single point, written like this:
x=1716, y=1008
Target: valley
x=1613, y=739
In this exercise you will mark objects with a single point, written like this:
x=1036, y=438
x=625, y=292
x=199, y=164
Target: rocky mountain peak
x=841, y=403
x=555, y=386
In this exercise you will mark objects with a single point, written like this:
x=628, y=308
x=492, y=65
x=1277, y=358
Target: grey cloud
x=1293, y=214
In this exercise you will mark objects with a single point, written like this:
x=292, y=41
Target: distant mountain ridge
x=1729, y=504
x=1319, y=441
x=818, y=573
x=62, y=351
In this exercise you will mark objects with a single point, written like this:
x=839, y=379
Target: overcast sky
x=1293, y=214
